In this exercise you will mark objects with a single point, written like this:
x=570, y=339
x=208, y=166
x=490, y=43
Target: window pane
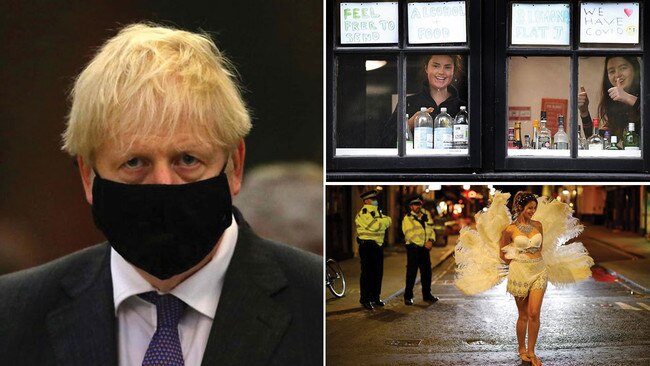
x=609, y=23
x=369, y=23
x=610, y=92
x=540, y=24
x=435, y=82
x=529, y=93
x=437, y=22
x=366, y=89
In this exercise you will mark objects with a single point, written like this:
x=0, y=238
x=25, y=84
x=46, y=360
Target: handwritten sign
x=540, y=24
x=441, y=22
x=369, y=23
x=609, y=23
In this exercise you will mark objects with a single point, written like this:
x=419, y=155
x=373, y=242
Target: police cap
x=415, y=200
x=369, y=194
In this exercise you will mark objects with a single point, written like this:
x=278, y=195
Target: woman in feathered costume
x=530, y=249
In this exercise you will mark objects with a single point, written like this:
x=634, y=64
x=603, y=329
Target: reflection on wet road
x=592, y=323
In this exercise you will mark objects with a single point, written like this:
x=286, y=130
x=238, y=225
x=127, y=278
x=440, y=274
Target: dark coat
x=270, y=311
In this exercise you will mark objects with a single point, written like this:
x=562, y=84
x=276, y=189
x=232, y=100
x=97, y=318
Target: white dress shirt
x=136, y=318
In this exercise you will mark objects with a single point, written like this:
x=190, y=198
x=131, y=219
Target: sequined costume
x=525, y=273
x=479, y=267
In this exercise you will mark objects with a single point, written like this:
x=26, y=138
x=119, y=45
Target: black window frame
x=401, y=161
x=574, y=51
x=487, y=52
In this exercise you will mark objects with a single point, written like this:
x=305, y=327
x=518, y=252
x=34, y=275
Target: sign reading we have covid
x=609, y=23
x=540, y=24
x=439, y=22
x=363, y=23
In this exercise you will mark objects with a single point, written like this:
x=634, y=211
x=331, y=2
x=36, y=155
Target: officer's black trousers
x=372, y=269
x=417, y=258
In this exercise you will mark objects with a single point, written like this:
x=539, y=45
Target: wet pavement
x=623, y=254
x=393, y=281
x=592, y=323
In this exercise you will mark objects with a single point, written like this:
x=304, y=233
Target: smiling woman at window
x=440, y=72
x=620, y=96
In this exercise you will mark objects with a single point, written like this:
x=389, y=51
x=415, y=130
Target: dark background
x=275, y=45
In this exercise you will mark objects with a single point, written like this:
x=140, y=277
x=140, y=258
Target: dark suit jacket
x=270, y=311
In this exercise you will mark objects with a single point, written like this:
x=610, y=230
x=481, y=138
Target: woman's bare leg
x=535, y=298
x=522, y=324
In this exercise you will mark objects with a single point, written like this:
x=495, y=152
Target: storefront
x=519, y=69
x=620, y=208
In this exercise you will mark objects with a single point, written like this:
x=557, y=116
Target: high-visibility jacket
x=414, y=230
x=372, y=224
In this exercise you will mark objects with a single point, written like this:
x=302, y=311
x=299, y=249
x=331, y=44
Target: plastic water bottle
x=442, y=131
x=423, y=130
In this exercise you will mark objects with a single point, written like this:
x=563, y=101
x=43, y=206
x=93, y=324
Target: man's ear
x=86, y=172
x=236, y=174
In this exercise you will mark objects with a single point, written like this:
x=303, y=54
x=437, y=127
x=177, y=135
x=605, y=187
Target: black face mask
x=163, y=229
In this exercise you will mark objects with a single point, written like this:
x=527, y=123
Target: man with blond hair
x=157, y=127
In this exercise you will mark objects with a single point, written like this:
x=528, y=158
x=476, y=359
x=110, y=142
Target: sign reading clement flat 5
x=441, y=22
x=609, y=23
x=540, y=24
x=367, y=23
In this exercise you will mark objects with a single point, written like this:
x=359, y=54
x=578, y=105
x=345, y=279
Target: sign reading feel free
x=439, y=22
x=368, y=23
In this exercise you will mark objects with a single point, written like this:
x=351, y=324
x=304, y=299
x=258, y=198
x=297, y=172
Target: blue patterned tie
x=165, y=346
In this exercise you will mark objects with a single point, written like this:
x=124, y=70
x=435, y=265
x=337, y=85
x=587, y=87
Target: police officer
x=419, y=235
x=371, y=226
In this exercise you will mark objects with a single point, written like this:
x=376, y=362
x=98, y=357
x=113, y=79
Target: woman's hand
x=583, y=102
x=504, y=259
x=411, y=120
x=617, y=93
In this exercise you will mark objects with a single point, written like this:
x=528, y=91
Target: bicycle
x=334, y=278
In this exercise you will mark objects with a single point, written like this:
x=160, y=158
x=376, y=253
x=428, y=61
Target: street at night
x=591, y=323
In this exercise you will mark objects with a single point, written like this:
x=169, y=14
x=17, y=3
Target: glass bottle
x=631, y=139
x=606, y=137
x=527, y=142
x=561, y=138
x=442, y=131
x=461, y=129
x=595, y=142
x=544, y=141
x=511, y=138
x=423, y=130
x=408, y=134
x=582, y=138
x=533, y=144
x=518, y=144
x=613, y=141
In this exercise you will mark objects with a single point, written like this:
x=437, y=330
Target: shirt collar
x=201, y=291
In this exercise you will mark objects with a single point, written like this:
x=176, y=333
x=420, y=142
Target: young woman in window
x=440, y=73
x=620, y=96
